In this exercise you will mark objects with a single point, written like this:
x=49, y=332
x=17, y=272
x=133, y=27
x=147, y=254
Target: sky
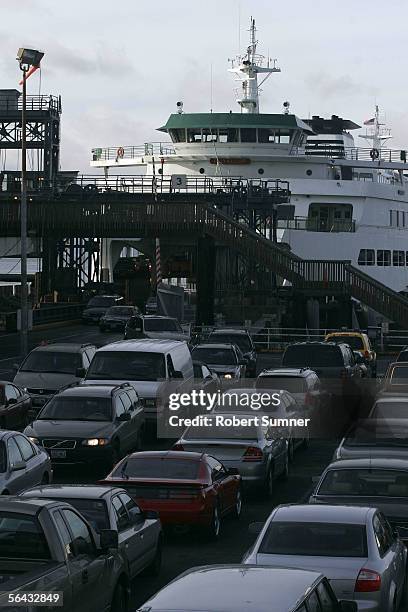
x=120, y=67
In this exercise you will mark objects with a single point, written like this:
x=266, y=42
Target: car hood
x=91, y=311
x=43, y=380
x=70, y=429
x=167, y=335
x=145, y=388
x=223, y=369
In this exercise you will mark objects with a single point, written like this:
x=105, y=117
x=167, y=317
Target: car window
x=49, y=361
x=368, y=482
x=90, y=353
x=133, y=510
x=206, y=371
x=198, y=371
x=11, y=393
x=158, y=467
x=293, y=384
x=313, y=604
x=127, y=365
x=125, y=399
x=320, y=355
x=122, y=518
x=119, y=407
x=133, y=396
x=86, y=360
x=75, y=408
x=215, y=356
x=327, y=601
x=26, y=448
x=14, y=455
x=217, y=469
x=82, y=542
x=64, y=533
x=381, y=536
x=21, y=537
x=94, y=510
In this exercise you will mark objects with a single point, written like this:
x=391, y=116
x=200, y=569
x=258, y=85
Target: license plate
x=58, y=454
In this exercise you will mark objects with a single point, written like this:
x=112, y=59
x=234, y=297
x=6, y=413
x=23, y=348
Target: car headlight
x=33, y=439
x=95, y=442
x=228, y=376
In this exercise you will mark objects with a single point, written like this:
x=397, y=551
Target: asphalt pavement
x=185, y=550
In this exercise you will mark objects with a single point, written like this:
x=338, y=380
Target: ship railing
x=131, y=152
x=355, y=153
x=11, y=105
x=316, y=225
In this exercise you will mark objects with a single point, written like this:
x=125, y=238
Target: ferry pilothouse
x=351, y=202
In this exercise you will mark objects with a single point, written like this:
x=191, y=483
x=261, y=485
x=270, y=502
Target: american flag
x=369, y=121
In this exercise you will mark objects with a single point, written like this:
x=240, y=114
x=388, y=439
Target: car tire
x=268, y=486
x=236, y=513
x=154, y=568
x=214, y=528
x=119, y=599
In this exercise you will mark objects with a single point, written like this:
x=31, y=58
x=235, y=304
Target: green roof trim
x=234, y=120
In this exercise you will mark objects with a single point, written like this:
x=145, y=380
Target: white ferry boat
x=350, y=202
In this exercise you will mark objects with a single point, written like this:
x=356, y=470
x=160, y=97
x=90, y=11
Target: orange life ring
x=120, y=152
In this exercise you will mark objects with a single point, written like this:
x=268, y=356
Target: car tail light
x=253, y=453
x=178, y=447
x=367, y=581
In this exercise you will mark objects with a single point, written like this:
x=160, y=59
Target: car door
x=137, y=414
x=148, y=529
x=223, y=484
x=126, y=428
x=389, y=548
x=33, y=459
x=89, y=572
x=13, y=404
x=132, y=542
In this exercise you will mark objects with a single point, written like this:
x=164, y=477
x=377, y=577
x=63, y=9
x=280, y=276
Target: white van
x=152, y=367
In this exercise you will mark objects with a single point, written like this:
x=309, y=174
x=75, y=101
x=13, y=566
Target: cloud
x=330, y=86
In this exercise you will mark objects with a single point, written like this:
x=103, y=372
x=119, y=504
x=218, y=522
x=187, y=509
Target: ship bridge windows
x=274, y=136
x=366, y=257
x=210, y=135
x=398, y=258
x=331, y=217
x=248, y=134
x=194, y=135
x=178, y=135
x=228, y=135
x=383, y=257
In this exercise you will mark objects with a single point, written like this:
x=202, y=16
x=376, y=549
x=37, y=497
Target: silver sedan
x=354, y=547
x=256, y=451
x=22, y=463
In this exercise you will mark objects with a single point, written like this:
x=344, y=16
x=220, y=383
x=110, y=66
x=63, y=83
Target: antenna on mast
x=247, y=67
x=378, y=134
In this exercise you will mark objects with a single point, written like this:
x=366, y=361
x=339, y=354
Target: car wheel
x=215, y=525
x=154, y=568
x=119, y=599
x=238, y=505
x=268, y=484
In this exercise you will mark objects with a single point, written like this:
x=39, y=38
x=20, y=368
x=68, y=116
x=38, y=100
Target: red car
x=184, y=488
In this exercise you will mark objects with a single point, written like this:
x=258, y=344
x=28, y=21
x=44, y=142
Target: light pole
x=29, y=59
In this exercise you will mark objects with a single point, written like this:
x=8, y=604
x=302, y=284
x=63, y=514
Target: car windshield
x=315, y=539
x=378, y=434
x=400, y=374
x=21, y=537
x=52, y=362
x=293, y=384
x=394, y=410
x=161, y=325
x=355, y=342
x=94, y=510
x=120, y=311
x=403, y=356
x=215, y=356
x=158, y=467
x=100, y=301
x=127, y=365
x=222, y=432
x=373, y=482
x=241, y=340
x=61, y=408
x=313, y=356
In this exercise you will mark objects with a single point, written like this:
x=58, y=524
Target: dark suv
x=86, y=424
x=242, y=339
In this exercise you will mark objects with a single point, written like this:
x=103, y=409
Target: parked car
x=247, y=588
x=375, y=438
x=377, y=482
x=48, y=368
x=116, y=318
x=206, y=379
x=242, y=339
x=139, y=533
x=98, y=305
x=279, y=404
x=259, y=456
x=15, y=406
x=354, y=547
x=155, y=327
x=358, y=341
x=22, y=463
x=390, y=407
x=89, y=424
x=184, y=488
x=46, y=543
x=224, y=359
x=151, y=366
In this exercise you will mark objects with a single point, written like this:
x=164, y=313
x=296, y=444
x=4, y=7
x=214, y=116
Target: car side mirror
x=125, y=416
x=348, y=606
x=177, y=374
x=18, y=466
x=108, y=538
x=255, y=528
x=80, y=372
